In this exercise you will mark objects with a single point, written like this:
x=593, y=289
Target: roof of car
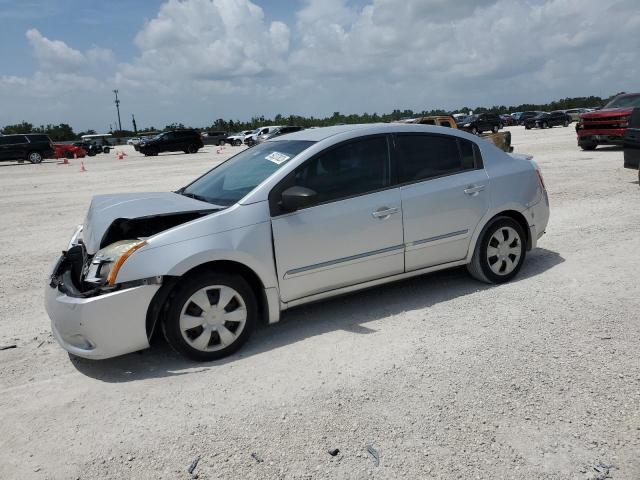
x=322, y=133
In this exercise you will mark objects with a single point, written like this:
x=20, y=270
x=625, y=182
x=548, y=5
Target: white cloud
x=202, y=59
x=53, y=54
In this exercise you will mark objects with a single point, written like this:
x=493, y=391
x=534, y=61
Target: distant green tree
x=23, y=127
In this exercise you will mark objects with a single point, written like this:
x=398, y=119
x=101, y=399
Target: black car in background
x=215, y=138
x=632, y=143
x=547, y=120
x=480, y=122
x=527, y=115
x=33, y=147
x=187, y=141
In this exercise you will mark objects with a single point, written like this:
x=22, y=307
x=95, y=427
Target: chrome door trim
x=371, y=283
x=438, y=237
x=339, y=262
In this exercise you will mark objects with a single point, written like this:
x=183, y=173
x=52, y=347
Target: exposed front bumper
x=102, y=326
x=604, y=136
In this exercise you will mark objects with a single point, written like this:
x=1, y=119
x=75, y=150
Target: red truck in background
x=608, y=125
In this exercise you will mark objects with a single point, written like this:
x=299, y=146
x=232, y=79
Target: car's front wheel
x=237, y=143
x=500, y=251
x=35, y=157
x=210, y=316
x=192, y=148
x=495, y=128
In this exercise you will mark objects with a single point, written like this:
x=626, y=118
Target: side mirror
x=295, y=198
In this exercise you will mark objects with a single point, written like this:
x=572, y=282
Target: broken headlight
x=107, y=261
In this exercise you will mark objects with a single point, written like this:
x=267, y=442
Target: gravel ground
x=445, y=377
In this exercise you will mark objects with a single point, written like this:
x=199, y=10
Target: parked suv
x=29, y=146
x=215, y=138
x=481, y=122
x=296, y=219
x=187, y=141
x=548, y=120
x=607, y=126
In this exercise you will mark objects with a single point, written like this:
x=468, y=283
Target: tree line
x=63, y=131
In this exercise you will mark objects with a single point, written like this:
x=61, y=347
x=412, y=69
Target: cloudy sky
x=193, y=61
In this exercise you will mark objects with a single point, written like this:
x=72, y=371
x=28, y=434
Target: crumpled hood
x=104, y=209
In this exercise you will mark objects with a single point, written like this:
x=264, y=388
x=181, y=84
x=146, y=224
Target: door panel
x=340, y=243
x=439, y=217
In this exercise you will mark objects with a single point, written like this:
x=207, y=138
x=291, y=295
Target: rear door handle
x=384, y=212
x=473, y=189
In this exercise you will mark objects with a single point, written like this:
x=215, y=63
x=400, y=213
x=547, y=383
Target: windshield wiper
x=195, y=196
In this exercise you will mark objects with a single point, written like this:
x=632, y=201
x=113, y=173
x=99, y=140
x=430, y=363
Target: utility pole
x=118, y=108
x=135, y=128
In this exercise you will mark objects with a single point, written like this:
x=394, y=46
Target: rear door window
x=421, y=157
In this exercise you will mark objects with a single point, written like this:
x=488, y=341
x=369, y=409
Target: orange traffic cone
x=82, y=169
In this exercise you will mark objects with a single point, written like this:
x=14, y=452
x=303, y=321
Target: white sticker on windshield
x=277, y=157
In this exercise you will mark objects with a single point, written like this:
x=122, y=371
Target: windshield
x=227, y=183
x=470, y=118
x=541, y=115
x=627, y=101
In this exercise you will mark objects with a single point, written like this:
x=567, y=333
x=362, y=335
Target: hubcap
x=504, y=251
x=213, y=318
x=35, y=158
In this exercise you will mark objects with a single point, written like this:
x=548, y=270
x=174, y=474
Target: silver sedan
x=293, y=220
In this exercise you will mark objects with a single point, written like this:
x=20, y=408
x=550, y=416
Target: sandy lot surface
x=443, y=376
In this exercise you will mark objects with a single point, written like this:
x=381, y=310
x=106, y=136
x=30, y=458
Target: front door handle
x=474, y=189
x=384, y=212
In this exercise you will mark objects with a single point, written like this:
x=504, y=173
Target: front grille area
x=604, y=123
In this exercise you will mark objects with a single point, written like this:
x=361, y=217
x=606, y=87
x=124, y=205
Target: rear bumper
x=103, y=326
x=539, y=218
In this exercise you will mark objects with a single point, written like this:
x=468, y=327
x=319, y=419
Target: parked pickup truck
x=632, y=143
x=607, y=126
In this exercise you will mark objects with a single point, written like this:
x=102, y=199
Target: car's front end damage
x=94, y=317
x=93, y=314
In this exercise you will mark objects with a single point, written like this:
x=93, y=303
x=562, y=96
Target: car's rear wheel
x=588, y=146
x=495, y=128
x=35, y=157
x=565, y=123
x=221, y=143
x=68, y=154
x=500, y=251
x=237, y=143
x=192, y=148
x=545, y=125
x=527, y=127
x=210, y=316
x=106, y=150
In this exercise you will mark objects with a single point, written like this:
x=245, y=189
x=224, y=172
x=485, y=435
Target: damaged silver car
x=296, y=219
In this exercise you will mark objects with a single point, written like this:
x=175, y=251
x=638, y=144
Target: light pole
x=118, y=108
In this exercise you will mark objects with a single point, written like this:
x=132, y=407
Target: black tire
x=34, y=157
x=588, y=146
x=106, y=150
x=68, y=154
x=495, y=128
x=237, y=143
x=566, y=123
x=91, y=152
x=221, y=143
x=527, y=127
x=474, y=130
x=480, y=266
x=545, y=125
x=183, y=293
x=192, y=148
